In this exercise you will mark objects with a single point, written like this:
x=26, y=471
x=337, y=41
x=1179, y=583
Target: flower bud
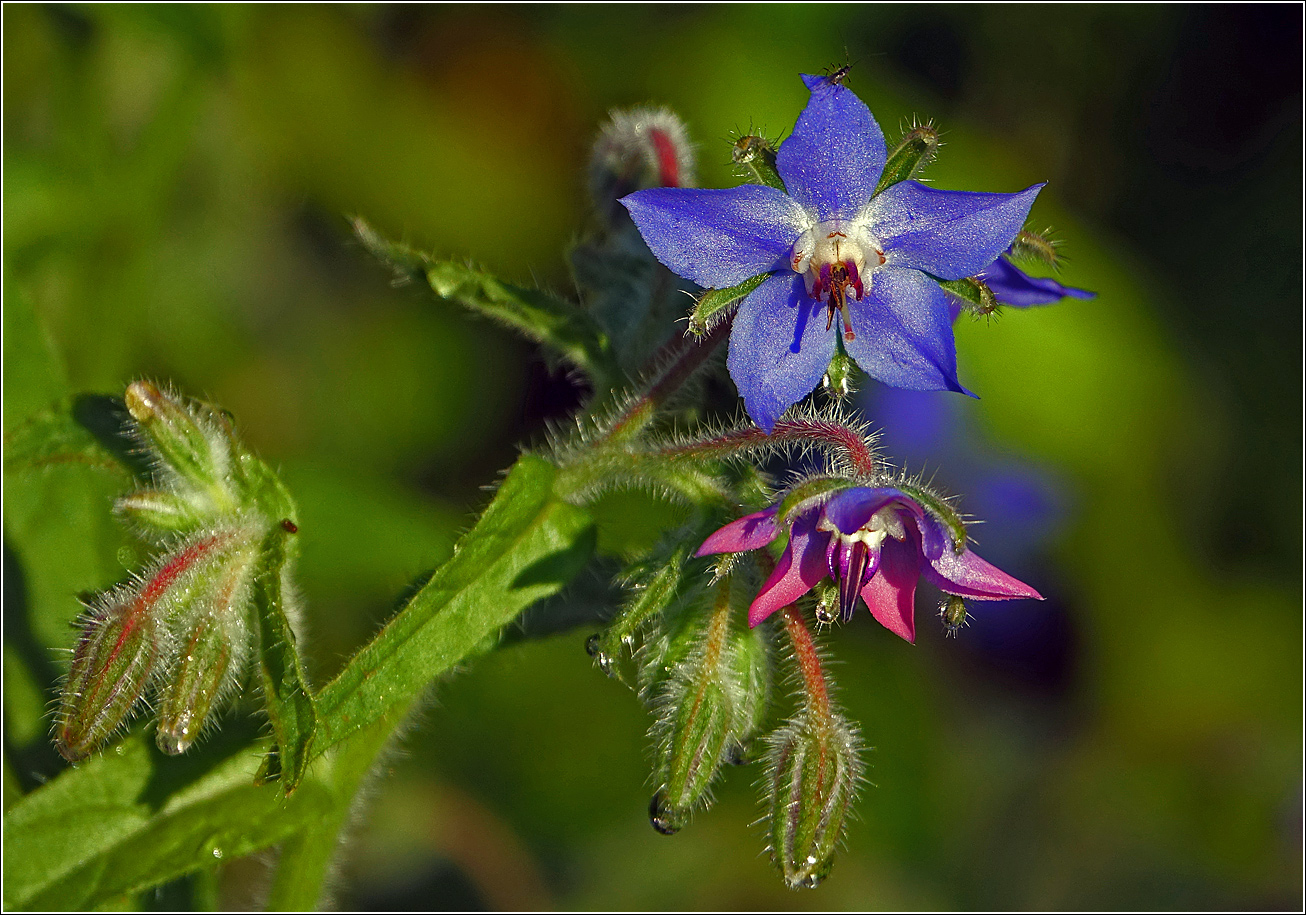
x=210, y=654
x=112, y=665
x=709, y=705
x=129, y=637
x=953, y=613
x=638, y=149
x=193, y=448
x=914, y=151
x=155, y=510
x=814, y=773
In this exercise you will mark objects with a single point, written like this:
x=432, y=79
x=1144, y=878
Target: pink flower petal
x=747, y=533
x=793, y=578
x=972, y=576
x=891, y=593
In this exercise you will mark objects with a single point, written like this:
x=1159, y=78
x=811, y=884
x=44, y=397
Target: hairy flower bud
x=191, y=446
x=953, y=613
x=113, y=662
x=637, y=149
x=814, y=773
x=709, y=704
x=208, y=656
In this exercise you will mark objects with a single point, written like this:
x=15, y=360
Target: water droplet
x=738, y=755
x=592, y=645
x=811, y=881
x=217, y=852
x=663, y=818
x=823, y=614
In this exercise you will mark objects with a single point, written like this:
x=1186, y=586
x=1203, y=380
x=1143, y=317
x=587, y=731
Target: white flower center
x=884, y=523
x=836, y=257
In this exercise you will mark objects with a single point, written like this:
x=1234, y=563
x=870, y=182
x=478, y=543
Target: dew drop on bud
x=663, y=818
x=823, y=614
x=592, y=646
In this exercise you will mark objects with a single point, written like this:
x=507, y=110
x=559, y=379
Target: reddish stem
x=809, y=661
x=804, y=431
x=682, y=358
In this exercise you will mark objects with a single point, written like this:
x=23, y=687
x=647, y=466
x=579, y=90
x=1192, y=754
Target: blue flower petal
x=833, y=159
x=718, y=238
x=779, y=347
x=904, y=332
x=950, y=234
x=1015, y=287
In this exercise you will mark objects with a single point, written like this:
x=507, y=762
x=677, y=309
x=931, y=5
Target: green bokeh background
x=176, y=187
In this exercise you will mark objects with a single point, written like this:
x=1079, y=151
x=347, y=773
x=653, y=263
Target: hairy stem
x=808, y=660
x=845, y=441
x=680, y=360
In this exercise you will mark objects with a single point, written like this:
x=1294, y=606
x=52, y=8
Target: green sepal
x=941, y=510
x=711, y=305
x=810, y=491
x=289, y=703
x=814, y=776
x=974, y=294
x=160, y=510
x=914, y=151
x=657, y=585
x=755, y=157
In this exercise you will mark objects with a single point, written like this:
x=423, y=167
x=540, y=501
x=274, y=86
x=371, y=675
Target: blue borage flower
x=831, y=244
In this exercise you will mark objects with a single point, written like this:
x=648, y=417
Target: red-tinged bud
x=710, y=704
x=638, y=149
x=112, y=665
x=125, y=639
x=210, y=655
x=815, y=771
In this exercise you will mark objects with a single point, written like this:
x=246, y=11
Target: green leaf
x=285, y=691
x=560, y=326
x=56, y=436
x=525, y=547
x=131, y=819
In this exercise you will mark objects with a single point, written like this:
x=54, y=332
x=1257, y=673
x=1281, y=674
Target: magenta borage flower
x=875, y=543
x=833, y=249
x=1013, y=286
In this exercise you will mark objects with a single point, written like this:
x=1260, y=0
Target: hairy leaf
x=563, y=328
x=132, y=818
x=525, y=547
